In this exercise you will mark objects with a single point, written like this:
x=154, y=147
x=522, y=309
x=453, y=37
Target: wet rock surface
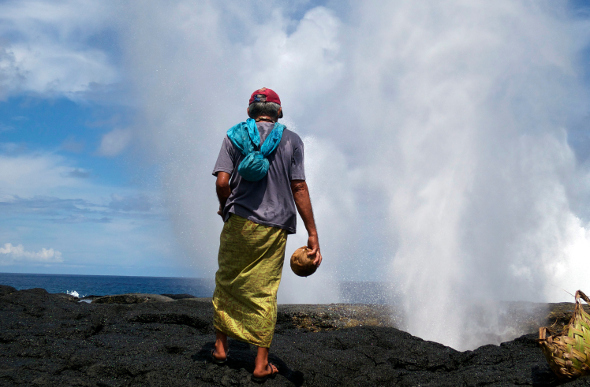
x=56, y=340
x=132, y=298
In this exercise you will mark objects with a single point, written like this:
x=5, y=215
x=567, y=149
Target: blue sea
x=103, y=285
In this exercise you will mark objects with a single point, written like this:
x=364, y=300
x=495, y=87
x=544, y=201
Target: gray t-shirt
x=268, y=201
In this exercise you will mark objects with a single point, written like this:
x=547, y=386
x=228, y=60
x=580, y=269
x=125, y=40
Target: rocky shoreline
x=166, y=340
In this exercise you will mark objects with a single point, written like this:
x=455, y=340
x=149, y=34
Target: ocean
x=102, y=285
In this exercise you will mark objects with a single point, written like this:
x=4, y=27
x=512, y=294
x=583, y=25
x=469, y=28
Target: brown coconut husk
x=568, y=353
x=301, y=264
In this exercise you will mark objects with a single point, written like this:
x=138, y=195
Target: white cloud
x=51, y=184
x=60, y=70
x=43, y=174
x=10, y=255
x=22, y=174
x=45, y=199
x=306, y=62
x=48, y=51
x=115, y=142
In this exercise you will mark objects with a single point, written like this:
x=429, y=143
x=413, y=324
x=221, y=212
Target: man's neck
x=265, y=118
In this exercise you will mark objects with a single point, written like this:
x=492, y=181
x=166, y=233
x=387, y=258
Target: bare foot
x=266, y=372
x=218, y=357
x=221, y=350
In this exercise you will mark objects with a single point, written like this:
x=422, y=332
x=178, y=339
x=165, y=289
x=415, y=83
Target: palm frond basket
x=568, y=353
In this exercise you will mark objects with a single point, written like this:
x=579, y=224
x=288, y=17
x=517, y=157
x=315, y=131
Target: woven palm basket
x=568, y=353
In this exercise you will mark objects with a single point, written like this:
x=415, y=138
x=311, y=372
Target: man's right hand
x=223, y=190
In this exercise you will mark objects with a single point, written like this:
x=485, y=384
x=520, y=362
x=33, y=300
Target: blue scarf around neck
x=246, y=138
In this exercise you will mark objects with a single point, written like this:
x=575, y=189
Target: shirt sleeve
x=297, y=162
x=225, y=160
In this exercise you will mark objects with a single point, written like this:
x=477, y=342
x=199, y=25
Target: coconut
x=301, y=264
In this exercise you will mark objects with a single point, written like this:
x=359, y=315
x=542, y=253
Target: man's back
x=268, y=201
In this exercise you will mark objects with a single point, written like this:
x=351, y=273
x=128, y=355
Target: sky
x=447, y=143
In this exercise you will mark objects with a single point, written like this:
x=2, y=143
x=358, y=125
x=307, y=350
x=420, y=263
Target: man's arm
x=223, y=190
x=303, y=203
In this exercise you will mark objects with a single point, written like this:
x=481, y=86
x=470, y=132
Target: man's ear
x=280, y=112
x=248, y=112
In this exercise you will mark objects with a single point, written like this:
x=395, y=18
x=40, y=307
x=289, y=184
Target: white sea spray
x=437, y=144
x=73, y=293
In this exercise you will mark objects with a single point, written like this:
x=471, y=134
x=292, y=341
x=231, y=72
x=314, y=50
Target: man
x=260, y=186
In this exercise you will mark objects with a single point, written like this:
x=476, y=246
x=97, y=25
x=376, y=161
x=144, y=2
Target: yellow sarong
x=251, y=260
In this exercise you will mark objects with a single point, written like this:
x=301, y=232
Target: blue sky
x=443, y=141
x=67, y=189
x=76, y=196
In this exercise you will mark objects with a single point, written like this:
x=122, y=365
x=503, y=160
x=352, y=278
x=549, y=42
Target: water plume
x=479, y=164
x=436, y=141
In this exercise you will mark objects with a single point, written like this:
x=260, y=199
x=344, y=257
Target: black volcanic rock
x=55, y=340
x=5, y=289
x=178, y=296
x=131, y=298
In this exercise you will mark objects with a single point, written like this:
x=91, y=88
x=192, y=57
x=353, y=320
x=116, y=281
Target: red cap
x=264, y=95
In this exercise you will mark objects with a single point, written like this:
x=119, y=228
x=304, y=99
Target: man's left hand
x=313, y=252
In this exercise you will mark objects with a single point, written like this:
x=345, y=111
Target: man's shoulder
x=291, y=135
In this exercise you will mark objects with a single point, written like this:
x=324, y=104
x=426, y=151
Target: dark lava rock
x=131, y=298
x=317, y=318
x=561, y=313
x=5, y=289
x=179, y=296
x=52, y=340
